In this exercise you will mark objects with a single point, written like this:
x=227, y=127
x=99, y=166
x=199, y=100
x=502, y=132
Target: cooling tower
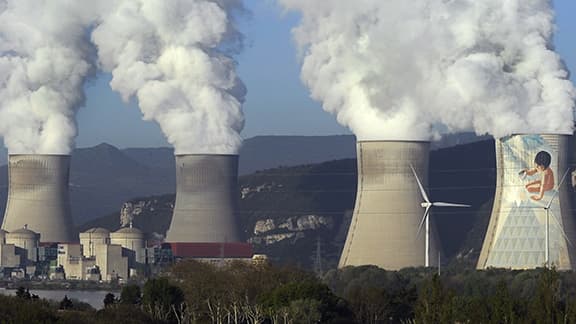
x=388, y=208
x=206, y=199
x=516, y=236
x=38, y=196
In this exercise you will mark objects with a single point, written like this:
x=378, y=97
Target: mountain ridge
x=286, y=211
x=102, y=177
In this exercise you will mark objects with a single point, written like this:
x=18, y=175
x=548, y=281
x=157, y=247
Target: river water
x=93, y=297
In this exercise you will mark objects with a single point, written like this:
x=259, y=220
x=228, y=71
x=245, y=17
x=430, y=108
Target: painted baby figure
x=546, y=182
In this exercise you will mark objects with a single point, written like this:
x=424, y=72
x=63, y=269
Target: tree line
x=195, y=292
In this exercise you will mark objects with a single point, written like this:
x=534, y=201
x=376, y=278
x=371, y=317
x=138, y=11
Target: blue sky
x=277, y=102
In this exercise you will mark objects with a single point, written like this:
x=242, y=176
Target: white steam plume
x=392, y=69
x=170, y=55
x=45, y=57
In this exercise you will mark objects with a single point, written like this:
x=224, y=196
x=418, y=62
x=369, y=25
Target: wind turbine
x=427, y=204
x=547, y=209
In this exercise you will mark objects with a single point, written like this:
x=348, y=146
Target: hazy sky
x=277, y=103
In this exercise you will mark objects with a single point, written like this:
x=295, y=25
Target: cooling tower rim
x=528, y=134
x=206, y=154
x=47, y=155
x=393, y=141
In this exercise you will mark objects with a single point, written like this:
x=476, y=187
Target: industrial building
x=130, y=239
x=104, y=255
x=206, y=199
x=116, y=255
x=531, y=224
x=216, y=253
x=388, y=210
x=73, y=263
x=19, y=251
x=93, y=238
x=92, y=259
x=38, y=196
x=27, y=241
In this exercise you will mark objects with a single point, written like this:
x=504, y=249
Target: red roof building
x=212, y=250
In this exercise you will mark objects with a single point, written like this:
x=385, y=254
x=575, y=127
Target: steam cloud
x=394, y=69
x=171, y=56
x=44, y=60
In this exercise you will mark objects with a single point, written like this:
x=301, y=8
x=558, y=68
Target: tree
x=66, y=303
x=160, y=298
x=124, y=314
x=546, y=306
x=17, y=310
x=434, y=304
x=109, y=300
x=20, y=292
x=23, y=293
x=131, y=294
x=310, y=296
x=305, y=311
x=502, y=305
x=370, y=304
x=374, y=294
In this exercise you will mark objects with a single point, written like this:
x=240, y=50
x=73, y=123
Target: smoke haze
x=45, y=57
x=170, y=55
x=393, y=69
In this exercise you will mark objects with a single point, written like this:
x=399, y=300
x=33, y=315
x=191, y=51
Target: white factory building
x=19, y=251
x=100, y=255
x=109, y=256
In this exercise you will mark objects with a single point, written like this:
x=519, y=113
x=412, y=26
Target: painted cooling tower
x=388, y=208
x=516, y=236
x=206, y=199
x=38, y=196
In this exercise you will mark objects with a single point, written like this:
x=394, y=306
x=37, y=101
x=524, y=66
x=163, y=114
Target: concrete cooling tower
x=529, y=190
x=206, y=199
x=388, y=209
x=38, y=196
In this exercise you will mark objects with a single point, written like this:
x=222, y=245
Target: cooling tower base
x=388, y=210
x=206, y=199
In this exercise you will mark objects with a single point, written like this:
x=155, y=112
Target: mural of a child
x=546, y=181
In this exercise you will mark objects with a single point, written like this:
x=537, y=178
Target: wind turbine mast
x=547, y=209
x=427, y=205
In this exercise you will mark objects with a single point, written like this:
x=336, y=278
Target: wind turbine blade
x=422, y=191
x=561, y=228
x=423, y=220
x=558, y=189
x=445, y=204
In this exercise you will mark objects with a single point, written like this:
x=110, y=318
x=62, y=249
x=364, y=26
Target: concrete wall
x=91, y=238
x=25, y=240
x=206, y=199
x=70, y=257
x=8, y=256
x=388, y=207
x=38, y=196
x=111, y=261
x=132, y=241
